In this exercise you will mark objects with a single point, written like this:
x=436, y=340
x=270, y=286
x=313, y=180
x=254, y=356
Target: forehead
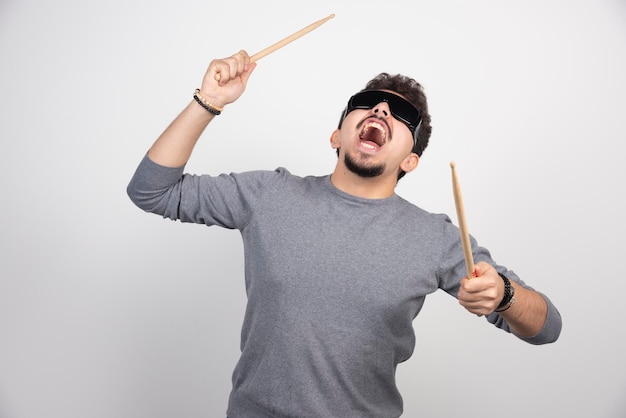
x=395, y=93
x=378, y=92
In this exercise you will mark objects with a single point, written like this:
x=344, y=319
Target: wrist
x=209, y=105
x=508, y=299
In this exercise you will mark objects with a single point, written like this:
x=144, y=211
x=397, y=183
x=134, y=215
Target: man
x=337, y=267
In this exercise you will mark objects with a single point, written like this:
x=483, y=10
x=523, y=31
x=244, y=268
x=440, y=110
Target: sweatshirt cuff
x=551, y=327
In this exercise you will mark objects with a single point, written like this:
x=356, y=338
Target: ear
x=335, y=143
x=410, y=163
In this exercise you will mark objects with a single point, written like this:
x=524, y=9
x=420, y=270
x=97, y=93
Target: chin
x=362, y=168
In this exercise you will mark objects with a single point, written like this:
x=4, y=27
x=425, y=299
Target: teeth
x=375, y=125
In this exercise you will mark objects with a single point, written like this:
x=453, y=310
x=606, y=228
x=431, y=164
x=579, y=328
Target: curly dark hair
x=414, y=93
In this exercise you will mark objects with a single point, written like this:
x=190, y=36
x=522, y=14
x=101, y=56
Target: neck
x=380, y=187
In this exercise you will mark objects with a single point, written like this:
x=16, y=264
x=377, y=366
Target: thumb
x=477, y=271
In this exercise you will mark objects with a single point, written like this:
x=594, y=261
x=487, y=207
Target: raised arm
x=174, y=146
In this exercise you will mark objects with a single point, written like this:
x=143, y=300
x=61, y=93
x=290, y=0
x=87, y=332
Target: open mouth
x=373, y=135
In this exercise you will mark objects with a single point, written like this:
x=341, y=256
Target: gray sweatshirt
x=333, y=283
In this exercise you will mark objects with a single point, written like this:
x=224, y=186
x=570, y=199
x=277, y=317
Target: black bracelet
x=507, y=307
x=507, y=291
x=509, y=295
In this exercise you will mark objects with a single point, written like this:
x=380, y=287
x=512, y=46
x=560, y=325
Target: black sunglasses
x=401, y=109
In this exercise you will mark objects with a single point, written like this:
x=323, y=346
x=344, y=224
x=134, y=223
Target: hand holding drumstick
x=226, y=78
x=234, y=73
x=285, y=41
x=482, y=289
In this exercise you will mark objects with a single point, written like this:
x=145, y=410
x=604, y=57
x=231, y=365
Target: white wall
x=109, y=312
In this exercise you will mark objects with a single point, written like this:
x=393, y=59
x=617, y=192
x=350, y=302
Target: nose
x=382, y=110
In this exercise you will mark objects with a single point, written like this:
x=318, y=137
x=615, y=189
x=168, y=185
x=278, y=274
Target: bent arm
x=531, y=317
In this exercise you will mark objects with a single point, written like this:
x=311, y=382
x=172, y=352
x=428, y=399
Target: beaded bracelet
x=211, y=108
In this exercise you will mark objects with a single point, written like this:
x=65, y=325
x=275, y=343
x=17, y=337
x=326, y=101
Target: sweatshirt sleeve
x=152, y=187
x=452, y=269
x=227, y=200
x=551, y=327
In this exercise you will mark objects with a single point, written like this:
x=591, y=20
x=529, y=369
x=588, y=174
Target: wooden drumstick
x=460, y=213
x=285, y=41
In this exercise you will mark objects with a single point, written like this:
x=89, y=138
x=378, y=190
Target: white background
x=109, y=312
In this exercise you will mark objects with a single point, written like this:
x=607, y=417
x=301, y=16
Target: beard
x=361, y=168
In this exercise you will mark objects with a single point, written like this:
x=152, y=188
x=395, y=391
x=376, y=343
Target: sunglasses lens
x=400, y=108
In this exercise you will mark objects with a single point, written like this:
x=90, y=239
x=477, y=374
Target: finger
x=476, y=308
x=237, y=63
x=246, y=74
x=466, y=295
x=243, y=60
x=220, y=70
x=231, y=67
x=470, y=287
x=224, y=70
x=482, y=268
x=228, y=71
